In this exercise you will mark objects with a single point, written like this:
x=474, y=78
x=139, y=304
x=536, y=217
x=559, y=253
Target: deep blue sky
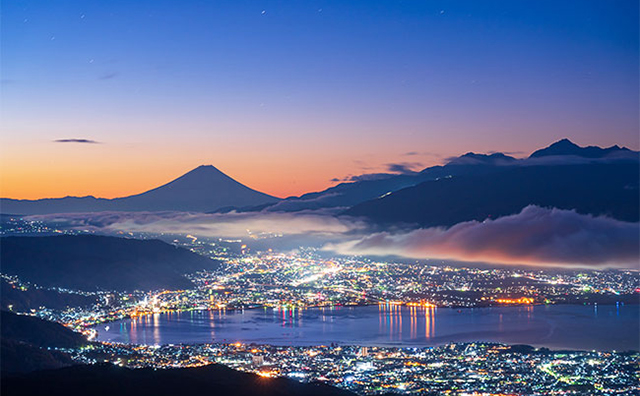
x=285, y=95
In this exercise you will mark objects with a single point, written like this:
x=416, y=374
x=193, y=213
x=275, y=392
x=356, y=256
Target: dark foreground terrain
x=32, y=364
x=109, y=380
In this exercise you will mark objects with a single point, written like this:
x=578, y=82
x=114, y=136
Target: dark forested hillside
x=89, y=262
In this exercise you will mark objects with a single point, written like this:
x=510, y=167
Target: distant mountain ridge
x=206, y=189
x=349, y=194
x=597, y=189
x=202, y=189
x=487, y=159
x=567, y=147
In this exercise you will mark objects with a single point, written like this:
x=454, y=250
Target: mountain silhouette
x=609, y=189
x=566, y=147
x=486, y=159
x=203, y=189
x=349, y=194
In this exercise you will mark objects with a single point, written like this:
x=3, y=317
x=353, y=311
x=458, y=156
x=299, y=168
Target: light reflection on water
x=558, y=327
x=390, y=318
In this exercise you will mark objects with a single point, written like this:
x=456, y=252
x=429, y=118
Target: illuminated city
x=320, y=198
x=291, y=283
x=458, y=369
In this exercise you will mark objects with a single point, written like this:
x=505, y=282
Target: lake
x=575, y=327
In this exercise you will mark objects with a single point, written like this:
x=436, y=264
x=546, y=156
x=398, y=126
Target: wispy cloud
x=512, y=153
x=109, y=76
x=403, y=167
x=392, y=169
x=422, y=154
x=535, y=236
x=88, y=141
x=213, y=225
x=364, y=177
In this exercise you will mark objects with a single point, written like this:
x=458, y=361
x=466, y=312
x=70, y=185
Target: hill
x=203, y=189
x=91, y=262
x=24, y=342
x=33, y=298
x=37, y=332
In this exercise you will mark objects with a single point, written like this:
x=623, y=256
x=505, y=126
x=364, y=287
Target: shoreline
x=294, y=308
x=485, y=332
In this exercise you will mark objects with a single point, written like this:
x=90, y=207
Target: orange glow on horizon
x=84, y=173
x=119, y=167
x=133, y=161
x=102, y=183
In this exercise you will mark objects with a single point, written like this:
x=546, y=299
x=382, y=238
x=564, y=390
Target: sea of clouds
x=535, y=236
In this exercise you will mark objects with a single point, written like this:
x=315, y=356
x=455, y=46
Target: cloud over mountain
x=403, y=168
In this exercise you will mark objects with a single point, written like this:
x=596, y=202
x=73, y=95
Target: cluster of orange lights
x=409, y=304
x=268, y=374
x=421, y=304
x=521, y=300
x=138, y=313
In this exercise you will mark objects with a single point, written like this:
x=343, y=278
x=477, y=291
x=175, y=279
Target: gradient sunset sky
x=284, y=96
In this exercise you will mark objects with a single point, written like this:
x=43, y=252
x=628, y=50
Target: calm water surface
x=555, y=326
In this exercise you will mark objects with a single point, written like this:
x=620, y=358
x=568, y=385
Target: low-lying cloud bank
x=535, y=236
x=232, y=224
